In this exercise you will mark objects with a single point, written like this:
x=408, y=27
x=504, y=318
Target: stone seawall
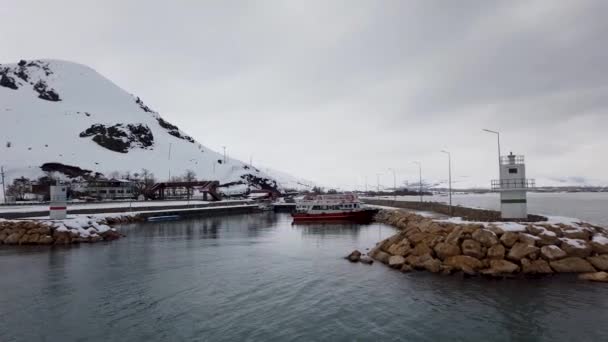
x=469, y=214
x=64, y=232
x=495, y=249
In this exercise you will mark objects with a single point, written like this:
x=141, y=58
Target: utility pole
x=251, y=160
x=449, y=177
x=224, y=147
x=378, y=181
x=420, y=179
x=3, y=186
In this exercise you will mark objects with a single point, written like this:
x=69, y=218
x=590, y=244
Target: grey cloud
x=336, y=90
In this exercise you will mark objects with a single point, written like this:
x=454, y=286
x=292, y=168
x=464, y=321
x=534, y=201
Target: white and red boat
x=344, y=207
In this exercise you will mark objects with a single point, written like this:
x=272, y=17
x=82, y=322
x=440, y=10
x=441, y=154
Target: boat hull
x=361, y=216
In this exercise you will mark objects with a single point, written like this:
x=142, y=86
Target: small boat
x=343, y=207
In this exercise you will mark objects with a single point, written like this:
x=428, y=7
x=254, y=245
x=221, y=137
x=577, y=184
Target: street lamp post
x=394, y=184
x=420, y=179
x=498, y=138
x=449, y=177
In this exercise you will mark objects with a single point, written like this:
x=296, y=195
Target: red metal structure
x=208, y=188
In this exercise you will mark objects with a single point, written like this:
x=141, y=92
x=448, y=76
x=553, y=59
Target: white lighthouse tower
x=513, y=186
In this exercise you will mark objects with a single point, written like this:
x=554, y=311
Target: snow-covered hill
x=63, y=116
x=287, y=181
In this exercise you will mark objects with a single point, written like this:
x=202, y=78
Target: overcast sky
x=335, y=91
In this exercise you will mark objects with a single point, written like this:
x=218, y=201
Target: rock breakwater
x=493, y=249
x=61, y=232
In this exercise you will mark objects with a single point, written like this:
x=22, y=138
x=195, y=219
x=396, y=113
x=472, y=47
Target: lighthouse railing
x=513, y=184
x=512, y=160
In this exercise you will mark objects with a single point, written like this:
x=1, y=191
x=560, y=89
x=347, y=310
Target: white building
x=111, y=189
x=513, y=186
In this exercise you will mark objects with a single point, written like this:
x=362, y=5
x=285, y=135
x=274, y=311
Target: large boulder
x=485, y=237
x=600, y=262
x=354, y=256
x=445, y=250
x=496, y=252
x=495, y=229
x=521, y=250
x=572, y=265
x=386, y=243
x=417, y=237
x=400, y=248
x=472, y=248
x=595, y=276
x=545, y=236
x=552, y=253
x=535, y=266
x=432, y=265
x=381, y=256
x=599, y=244
x=417, y=261
x=463, y=262
x=454, y=237
x=396, y=261
x=13, y=238
x=575, y=233
x=576, y=247
x=509, y=239
x=503, y=266
x=421, y=249
x=527, y=238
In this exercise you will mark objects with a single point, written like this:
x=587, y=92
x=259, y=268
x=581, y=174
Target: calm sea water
x=588, y=206
x=259, y=278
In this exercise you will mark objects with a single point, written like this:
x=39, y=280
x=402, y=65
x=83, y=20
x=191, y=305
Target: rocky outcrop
x=446, y=247
x=120, y=138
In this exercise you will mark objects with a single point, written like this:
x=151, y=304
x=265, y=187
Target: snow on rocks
x=60, y=232
x=495, y=249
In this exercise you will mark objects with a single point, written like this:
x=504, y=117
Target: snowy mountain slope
x=62, y=113
x=287, y=181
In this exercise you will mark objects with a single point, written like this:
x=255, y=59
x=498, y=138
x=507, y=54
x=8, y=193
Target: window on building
x=512, y=170
x=102, y=191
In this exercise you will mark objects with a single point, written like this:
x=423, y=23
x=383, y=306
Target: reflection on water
x=258, y=277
